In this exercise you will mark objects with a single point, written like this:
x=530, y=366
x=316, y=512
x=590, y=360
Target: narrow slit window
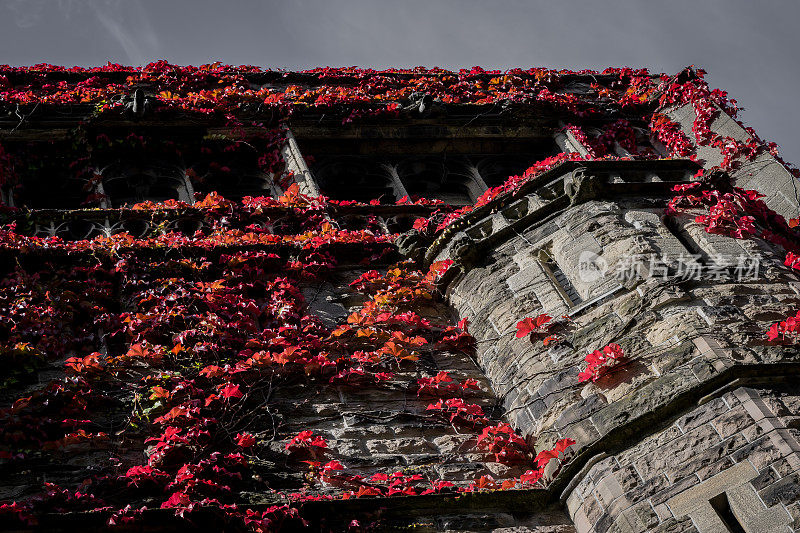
x=565, y=286
x=673, y=226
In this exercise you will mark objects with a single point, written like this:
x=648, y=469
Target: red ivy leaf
x=529, y=325
x=245, y=440
x=230, y=391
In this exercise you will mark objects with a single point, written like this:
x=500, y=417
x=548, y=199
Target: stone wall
x=696, y=429
x=683, y=338
x=374, y=428
x=677, y=334
x=733, y=461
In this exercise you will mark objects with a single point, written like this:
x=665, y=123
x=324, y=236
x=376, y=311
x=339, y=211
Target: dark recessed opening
x=722, y=507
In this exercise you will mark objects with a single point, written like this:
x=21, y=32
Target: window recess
x=560, y=280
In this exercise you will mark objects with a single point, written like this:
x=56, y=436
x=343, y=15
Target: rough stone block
x=786, y=491
x=732, y=421
x=710, y=411
x=760, y=453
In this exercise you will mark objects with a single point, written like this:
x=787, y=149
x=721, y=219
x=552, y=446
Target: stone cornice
x=568, y=183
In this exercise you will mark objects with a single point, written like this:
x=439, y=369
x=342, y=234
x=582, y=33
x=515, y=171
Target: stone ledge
x=518, y=502
x=550, y=193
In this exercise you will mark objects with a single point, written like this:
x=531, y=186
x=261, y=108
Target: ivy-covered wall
x=193, y=333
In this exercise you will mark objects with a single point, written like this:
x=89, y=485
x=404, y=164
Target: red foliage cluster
x=224, y=89
x=512, y=183
x=726, y=210
x=229, y=225
x=305, y=441
x=671, y=136
x=201, y=337
x=600, y=362
x=785, y=329
x=457, y=411
x=706, y=104
x=740, y=214
x=528, y=326
x=443, y=384
x=538, y=328
x=619, y=132
x=502, y=442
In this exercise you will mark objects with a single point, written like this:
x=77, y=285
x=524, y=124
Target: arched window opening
x=355, y=178
x=126, y=184
x=430, y=177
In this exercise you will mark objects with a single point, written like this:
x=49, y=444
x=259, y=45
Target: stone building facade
x=696, y=429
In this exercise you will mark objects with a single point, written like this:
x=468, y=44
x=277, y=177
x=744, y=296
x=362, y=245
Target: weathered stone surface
x=680, y=337
x=785, y=491
x=688, y=463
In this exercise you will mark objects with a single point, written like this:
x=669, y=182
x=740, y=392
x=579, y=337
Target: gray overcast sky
x=750, y=48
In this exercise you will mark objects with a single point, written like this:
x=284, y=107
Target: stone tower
x=528, y=300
